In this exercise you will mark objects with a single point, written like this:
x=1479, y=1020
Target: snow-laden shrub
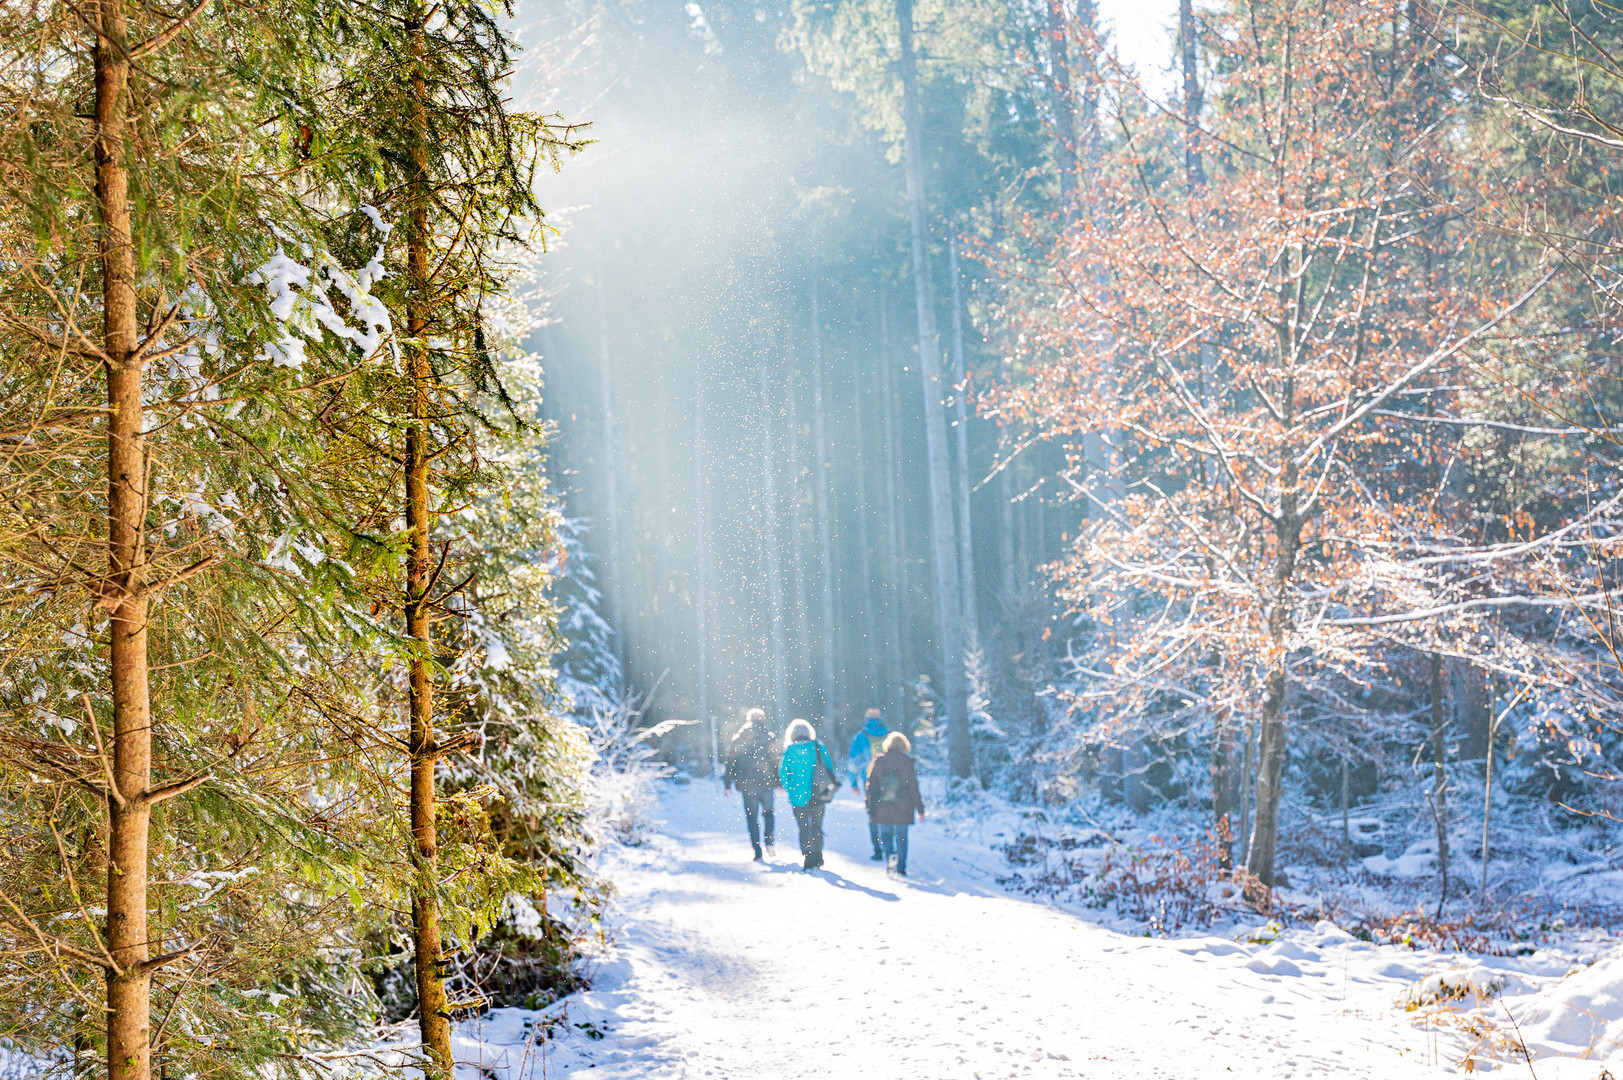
x=1163, y=886
x=1473, y=985
x=622, y=798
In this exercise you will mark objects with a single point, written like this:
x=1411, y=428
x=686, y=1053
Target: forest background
x=1233, y=446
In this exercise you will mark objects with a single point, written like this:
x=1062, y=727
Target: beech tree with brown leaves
x=1338, y=263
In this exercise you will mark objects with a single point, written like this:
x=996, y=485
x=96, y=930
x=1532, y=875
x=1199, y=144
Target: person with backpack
x=750, y=768
x=809, y=782
x=865, y=749
x=893, y=799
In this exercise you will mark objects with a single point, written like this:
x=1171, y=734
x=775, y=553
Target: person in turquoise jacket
x=809, y=780
x=866, y=746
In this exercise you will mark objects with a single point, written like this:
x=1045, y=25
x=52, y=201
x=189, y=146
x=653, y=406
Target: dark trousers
x=810, y=820
x=873, y=834
x=893, y=839
x=758, y=801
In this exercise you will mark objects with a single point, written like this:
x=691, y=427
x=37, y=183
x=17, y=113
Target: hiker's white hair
x=799, y=731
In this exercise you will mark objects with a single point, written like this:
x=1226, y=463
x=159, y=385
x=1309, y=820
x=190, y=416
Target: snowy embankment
x=730, y=969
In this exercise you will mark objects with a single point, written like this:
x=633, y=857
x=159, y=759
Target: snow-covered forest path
x=729, y=969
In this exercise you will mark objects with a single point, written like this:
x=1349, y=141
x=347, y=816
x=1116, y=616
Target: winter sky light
x=1142, y=31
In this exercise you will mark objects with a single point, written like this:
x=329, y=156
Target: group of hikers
x=879, y=766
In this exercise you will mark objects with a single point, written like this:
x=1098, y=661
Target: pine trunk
x=942, y=529
x=1063, y=105
x=1195, y=180
x=433, y=1020
x=893, y=512
x=611, y=495
x=870, y=632
x=701, y=599
x=960, y=394
x=129, y=986
x=774, y=562
x=825, y=545
x=797, y=546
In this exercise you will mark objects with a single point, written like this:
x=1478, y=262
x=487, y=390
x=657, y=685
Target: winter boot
x=758, y=853
x=877, y=856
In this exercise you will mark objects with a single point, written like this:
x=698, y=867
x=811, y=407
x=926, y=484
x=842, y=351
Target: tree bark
x=611, y=494
x=433, y=1020
x=893, y=540
x=870, y=631
x=1346, y=800
x=825, y=544
x=1194, y=181
x=1439, y=788
x=129, y=987
x=797, y=547
x=1472, y=710
x=1223, y=800
x=774, y=568
x=1059, y=60
x=701, y=600
x=960, y=391
x=1272, y=747
x=960, y=755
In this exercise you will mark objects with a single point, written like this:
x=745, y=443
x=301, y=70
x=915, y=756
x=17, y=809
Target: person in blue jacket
x=809, y=781
x=866, y=746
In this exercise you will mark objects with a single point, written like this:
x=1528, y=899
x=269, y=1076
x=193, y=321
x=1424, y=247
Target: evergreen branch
x=50, y=943
x=149, y=966
x=101, y=753
x=158, y=41
x=169, y=791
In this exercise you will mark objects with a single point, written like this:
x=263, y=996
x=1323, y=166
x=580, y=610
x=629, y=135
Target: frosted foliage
x=301, y=299
x=624, y=792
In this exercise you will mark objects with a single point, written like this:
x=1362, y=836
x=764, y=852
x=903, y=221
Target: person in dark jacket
x=809, y=781
x=752, y=769
x=866, y=746
x=893, y=799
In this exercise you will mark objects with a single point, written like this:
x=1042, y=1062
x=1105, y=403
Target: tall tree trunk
x=1006, y=530
x=893, y=523
x=1473, y=712
x=1193, y=97
x=797, y=546
x=960, y=392
x=1248, y=787
x=825, y=545
x=942, y=529
x=774, y=569
x=1346, y=806
x=1272, y=749
x=1487, y=790
x=611, y=491
x=1439, y=787
x=1060, y=97
x=870, y=632
x=1194, y=181
x=662, y=484
x=129, y=988
x=701, y=599
x=433, y=1020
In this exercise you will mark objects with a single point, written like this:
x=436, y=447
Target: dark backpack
x=825, y=785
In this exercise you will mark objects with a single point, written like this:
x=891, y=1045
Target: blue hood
x=874, y=726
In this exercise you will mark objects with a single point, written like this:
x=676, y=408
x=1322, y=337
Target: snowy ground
x=732, y=970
